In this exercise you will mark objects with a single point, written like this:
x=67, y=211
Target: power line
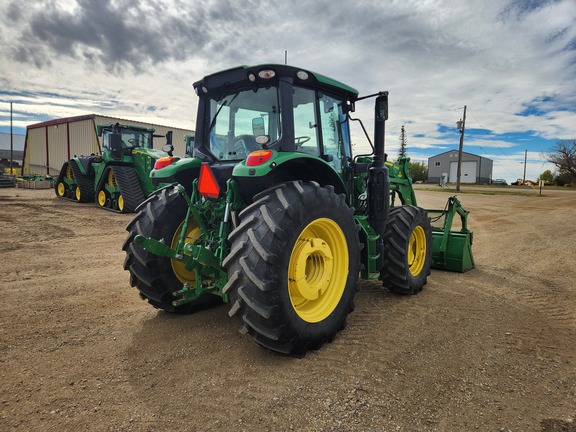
x=436, y=112
x=491, y=138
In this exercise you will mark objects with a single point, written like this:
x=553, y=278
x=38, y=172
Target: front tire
x=407, y=250
x=293, y=266
x=161, y=216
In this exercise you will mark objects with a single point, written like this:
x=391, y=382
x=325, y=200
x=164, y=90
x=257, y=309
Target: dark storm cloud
x=111, y=34
x=114, y=35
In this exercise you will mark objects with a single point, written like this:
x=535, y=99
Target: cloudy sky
x=511, y=62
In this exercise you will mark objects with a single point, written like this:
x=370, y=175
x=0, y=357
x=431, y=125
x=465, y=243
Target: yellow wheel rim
x=102, y=198
x=112, y=179
x=61, y=189
x=78, y=194
x=318, y=270
x=69, y=174
x=192, y=234
x=417, y=251
x=120, y=203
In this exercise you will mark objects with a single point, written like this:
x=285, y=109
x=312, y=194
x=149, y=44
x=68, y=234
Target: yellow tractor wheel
x=293, y=267
x=407, y=250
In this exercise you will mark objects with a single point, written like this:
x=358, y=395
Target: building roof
x=456, y=151
x=64, y=120
x=61, y=121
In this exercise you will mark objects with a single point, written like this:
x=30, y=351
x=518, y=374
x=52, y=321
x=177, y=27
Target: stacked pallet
x=7, y=180
x=35, y=182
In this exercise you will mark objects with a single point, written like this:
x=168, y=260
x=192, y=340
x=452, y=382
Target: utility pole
x=11, y=140
x=461, y=125
x=525, y=157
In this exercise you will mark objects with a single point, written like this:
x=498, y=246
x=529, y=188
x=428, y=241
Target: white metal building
x=16, y=140
x=49, y=144
x=474, y=168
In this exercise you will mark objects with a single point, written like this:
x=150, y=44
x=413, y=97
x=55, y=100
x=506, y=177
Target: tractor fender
x=284, y=167
x=176, y=166
x=182, y=171
x=84, y=164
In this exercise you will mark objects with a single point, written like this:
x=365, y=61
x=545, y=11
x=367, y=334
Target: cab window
x=331, y=118
x=243, y=122
x=305, y=122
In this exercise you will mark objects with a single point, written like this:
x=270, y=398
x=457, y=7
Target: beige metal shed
x=51, y=143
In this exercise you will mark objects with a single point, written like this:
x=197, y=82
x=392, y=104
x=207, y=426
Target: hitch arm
x=156, y=247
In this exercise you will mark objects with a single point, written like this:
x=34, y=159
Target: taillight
x=207, y=184
x=258, y=157
x=163, y=162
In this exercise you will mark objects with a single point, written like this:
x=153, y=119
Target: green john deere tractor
x=274, y=214
x=119, y=179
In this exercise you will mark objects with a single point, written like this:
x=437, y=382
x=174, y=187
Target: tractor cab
x=120, y=140
x=293, y=119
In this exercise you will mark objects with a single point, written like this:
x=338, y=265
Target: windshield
x=134, y=138
x=130, y=138
x=243, y=122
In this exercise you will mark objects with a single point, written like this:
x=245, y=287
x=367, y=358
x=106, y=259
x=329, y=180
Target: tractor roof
x=104, y=126
x=245, y=75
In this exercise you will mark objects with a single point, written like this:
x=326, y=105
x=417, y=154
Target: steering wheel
x=245, y=143
x=298, y=141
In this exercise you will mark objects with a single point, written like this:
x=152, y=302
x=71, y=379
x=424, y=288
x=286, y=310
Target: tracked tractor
x=119, y=179
x=274, y=215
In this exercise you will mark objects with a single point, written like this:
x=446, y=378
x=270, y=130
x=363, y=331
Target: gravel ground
x=493, y=349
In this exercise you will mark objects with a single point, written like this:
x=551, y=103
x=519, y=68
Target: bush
x=563, y=179
x=418, y=171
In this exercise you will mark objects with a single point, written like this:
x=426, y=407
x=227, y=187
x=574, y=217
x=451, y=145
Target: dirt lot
x=493, y=349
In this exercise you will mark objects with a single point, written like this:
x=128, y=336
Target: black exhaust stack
x=378, y=181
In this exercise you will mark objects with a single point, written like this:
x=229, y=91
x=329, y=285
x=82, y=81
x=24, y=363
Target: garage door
x=468, y=172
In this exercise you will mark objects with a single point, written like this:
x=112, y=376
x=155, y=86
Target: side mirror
x=168, y=148
x=258, y=126
x=189, y=144
x=328, y=107
x=169, y=137
x=382, y=107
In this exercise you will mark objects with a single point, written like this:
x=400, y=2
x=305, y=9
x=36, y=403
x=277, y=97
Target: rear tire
x=293, y=267
x=407, y=250
x=156, y=277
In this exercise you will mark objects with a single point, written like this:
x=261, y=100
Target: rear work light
x=207, y=184
x=163, y=162
x=266, y=74
x=258, y=157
